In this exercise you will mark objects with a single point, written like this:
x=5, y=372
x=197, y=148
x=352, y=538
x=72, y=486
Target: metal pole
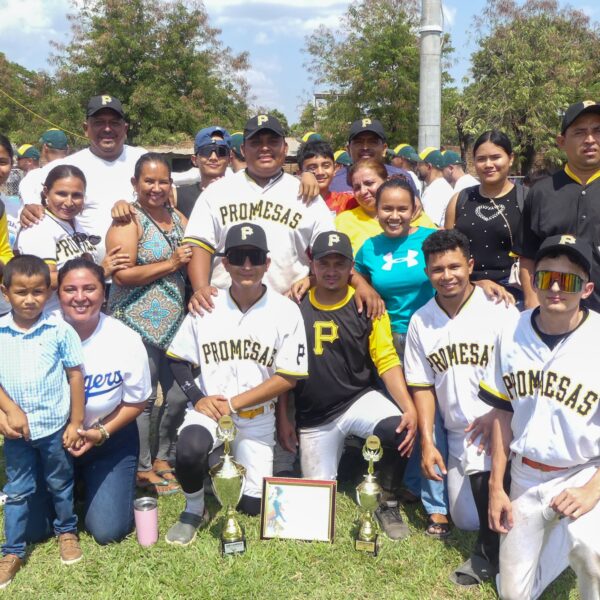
x=430, y=89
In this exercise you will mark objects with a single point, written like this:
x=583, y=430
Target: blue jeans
x=108, y=473
x=29, y=463
x=434, y=494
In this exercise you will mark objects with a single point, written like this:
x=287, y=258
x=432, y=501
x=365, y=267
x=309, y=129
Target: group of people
x=368, y=298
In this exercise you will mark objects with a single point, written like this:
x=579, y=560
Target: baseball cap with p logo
x=246, y=234
x=260, y=122
x=567, y=244
x=332, y=242
x=97, y=103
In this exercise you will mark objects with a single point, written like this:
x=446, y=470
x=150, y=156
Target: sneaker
x=69, y=548
x=9, y=565
x=391, y=522
x=183, y=533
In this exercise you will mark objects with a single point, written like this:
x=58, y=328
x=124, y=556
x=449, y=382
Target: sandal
x=163, y=487
x=437, y=530
x=473, y=572
x=166, y=471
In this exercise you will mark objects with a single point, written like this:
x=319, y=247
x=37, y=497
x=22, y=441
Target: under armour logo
x=409, y=259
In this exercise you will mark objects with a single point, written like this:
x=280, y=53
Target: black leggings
x=193, y=457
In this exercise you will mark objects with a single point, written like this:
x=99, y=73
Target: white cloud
x=31, y=17
x=262, y=39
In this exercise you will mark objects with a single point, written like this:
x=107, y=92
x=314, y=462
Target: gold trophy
x=228, y=479
x=368, y=496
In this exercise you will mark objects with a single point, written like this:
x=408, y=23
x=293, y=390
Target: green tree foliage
x=370, y=65
x=306, y=121
x=533, y=61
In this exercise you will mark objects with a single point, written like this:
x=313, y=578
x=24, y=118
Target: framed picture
x=298, y=509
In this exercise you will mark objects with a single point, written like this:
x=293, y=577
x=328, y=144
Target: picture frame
x=298, y=509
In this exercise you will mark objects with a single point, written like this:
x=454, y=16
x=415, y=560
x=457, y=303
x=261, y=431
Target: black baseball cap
x=576, y=110
x=567, y=244
x=332, y=242
x=97, y=103
x=260, y=122
x=367, y=124
x=246, y=234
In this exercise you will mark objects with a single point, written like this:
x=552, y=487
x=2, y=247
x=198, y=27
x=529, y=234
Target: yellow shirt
x=359, y=226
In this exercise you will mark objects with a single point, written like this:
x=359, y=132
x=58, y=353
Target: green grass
x=416, y=568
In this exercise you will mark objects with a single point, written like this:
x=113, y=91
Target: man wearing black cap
x=107, y=164
x=263, y=194
x=569, y=200
x=546, y=389
x=250, y=349
x=366, y=139
x=340, y=396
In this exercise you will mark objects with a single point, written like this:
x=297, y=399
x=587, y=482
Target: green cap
x=406, y=151
x=28, y=151
x=342, y=157
x=236, y=141
x=55, y=139
x=433, y=157
x=452, y=158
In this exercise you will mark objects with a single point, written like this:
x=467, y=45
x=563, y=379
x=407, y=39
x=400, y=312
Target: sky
x=273, y=32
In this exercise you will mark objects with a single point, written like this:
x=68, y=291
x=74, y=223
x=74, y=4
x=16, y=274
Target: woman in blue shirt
x=394, y=264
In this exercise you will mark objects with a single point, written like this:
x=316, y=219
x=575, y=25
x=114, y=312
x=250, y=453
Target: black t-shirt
x=487, y=227
x=339, y=362
x=562, y=205
x=186, y=198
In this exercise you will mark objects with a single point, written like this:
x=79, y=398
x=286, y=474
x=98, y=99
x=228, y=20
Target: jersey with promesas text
x=553, y=393
x=453, y=354
x=290, y=226
x=237, y=351
x=344, y=349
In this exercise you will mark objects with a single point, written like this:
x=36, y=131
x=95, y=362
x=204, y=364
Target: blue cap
x=204, y=137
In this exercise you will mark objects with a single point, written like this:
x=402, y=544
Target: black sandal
x=437, y=530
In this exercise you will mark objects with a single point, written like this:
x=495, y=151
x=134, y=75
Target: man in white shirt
x=438, y=191
x=454, y=172
x=107, y=164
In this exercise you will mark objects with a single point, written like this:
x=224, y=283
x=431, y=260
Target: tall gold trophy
x=368, y=496
x=228, y=479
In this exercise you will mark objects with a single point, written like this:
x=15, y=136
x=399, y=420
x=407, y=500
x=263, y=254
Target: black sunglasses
x=92, y=239
x=206, y=151
x=237, y=256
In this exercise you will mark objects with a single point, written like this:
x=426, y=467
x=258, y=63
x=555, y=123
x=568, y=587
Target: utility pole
x=430, y=84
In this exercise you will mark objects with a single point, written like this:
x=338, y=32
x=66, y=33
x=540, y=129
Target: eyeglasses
x=237, y=256
x=206, y=151
x=567, y=282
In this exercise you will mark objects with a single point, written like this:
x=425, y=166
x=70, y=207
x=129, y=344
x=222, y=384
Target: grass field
x=414, y=569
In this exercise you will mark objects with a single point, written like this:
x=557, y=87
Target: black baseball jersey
x=562, y=204
x=345, y=350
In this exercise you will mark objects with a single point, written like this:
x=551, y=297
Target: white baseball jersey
x=116, y=369
x=453, y=355
x=236, y=351
x=55, y=241
x=553, y=393
x=107, y=182
x=290, y=226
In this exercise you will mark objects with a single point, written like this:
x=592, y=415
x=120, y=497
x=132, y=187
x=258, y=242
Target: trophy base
x=233, y=547
x=370, y=547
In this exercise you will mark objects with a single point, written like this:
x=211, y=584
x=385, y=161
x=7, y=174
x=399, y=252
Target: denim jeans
x=108, y=473
x=171, y=414
x=27, y=464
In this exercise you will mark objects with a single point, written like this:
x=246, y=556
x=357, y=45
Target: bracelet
x=105, y=435
x=233, y=411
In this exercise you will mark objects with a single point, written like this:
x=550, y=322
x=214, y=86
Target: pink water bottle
x=145, y=511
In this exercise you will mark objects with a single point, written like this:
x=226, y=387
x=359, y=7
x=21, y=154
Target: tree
x=307, y=121
x=533, y=61
x=369, y=66
x=161, y=59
